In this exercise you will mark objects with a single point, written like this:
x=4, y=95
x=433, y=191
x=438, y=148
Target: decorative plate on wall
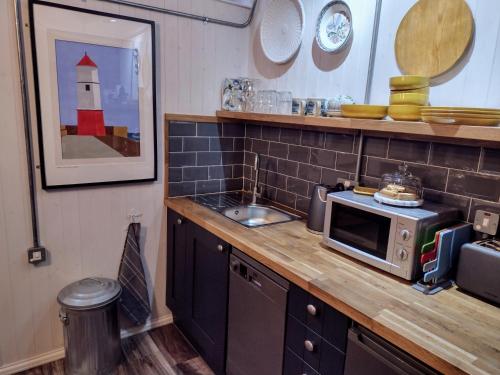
x=282, y=29
x=433, y=37
x=334, y=27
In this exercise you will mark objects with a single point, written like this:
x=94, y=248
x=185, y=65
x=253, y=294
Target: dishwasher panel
x=257, y=314
x=368, y=353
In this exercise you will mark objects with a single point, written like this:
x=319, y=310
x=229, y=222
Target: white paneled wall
x=477, y=83
x=84, y=229
x=312, y=72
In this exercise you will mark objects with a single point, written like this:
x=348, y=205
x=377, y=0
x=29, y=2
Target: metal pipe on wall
x=27, y=120
x=359, y=158
x=373, y=51
x=188, y=15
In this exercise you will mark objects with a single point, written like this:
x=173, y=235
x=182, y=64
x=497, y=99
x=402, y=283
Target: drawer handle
x=220, y=248
x=309, y=345
x=179, y=221
x=312, y=310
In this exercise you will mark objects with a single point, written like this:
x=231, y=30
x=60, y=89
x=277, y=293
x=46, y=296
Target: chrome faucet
x=255, y=192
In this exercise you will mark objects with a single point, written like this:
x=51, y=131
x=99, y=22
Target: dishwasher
x=368, y=353
x=257, y=317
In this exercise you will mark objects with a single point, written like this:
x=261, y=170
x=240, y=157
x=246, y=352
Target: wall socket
x=37, y=254
x=486, y=222
x=348, y=184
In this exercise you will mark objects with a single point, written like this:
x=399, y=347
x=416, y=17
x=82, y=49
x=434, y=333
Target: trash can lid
x=88, y=293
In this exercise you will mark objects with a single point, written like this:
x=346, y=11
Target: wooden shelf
x=479, y=133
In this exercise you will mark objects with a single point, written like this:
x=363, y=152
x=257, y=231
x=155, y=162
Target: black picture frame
x=152, y=25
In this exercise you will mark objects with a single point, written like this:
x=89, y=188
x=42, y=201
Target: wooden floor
x=160, y=351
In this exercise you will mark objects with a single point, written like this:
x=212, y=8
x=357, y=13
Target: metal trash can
x=89, y=313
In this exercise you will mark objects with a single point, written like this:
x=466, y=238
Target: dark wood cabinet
x=176, y=267
x=315, y=336
x=207, y=291
x=197, y=287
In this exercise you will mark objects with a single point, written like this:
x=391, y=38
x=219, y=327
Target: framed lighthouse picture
x=95, y=89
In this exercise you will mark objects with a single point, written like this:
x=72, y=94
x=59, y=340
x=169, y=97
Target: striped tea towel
x=134, y=300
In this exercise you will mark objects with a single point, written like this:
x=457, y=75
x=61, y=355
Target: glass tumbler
x=269, y=101
x=259, y=102
x=284, y=103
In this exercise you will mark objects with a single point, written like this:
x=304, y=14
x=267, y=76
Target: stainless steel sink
x=256, y=215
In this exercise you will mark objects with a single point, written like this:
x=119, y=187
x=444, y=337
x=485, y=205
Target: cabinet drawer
x=332, y=360
x=293, y=365
x=335, y=327
x=312, y=349
x=306, y=308
x=327, y=322
x=298, y=336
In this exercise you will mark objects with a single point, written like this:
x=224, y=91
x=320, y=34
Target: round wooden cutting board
x=433, y=36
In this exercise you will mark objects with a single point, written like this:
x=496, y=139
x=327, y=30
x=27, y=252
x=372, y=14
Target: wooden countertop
x=450, y=331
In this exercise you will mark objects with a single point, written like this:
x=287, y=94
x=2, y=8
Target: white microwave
x=386, y=237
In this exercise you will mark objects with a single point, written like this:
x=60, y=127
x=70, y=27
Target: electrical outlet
x=486, y=222
x=348, y=184
x=37, y=254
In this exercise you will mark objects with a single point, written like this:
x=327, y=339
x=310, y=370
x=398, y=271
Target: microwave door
x=361, y=234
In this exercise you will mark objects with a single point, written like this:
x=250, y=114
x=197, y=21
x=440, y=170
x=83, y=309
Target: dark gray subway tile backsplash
x=182, y=129
x=346, y=162
x=374, y=146
x=297, y=159
x=182, y=159
x=474, y=185
x=291, y=136
x=195, y=144
x=271, y=133
x=339, y=142
x=455, y=156
x=313, y=138
x=323, y=158
x=490, y=161
x=208, y=129
x=234, y=130
x=415, y=151
x=207, y=158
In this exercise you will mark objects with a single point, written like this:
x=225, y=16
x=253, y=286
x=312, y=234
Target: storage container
x=89, y=314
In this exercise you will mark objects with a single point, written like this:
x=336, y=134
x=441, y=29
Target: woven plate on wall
x=282, y=29
x=334, y=27
x=433, y=37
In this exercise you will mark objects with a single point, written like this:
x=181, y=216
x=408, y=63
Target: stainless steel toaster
x=478, y=271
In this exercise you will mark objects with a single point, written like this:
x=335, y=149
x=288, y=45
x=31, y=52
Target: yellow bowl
x=409, y=98
x=405, y=112
x=408, y=82
x=367, y=111
x=423, y=90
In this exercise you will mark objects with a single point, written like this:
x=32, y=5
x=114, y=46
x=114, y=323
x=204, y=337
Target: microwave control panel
x=404, y=245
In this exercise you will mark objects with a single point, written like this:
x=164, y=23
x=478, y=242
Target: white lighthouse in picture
x=89, y=110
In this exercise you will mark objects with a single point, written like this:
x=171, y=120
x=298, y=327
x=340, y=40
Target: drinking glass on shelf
x=236, y=100
x=284, y=103
x=268, y=101
x=249, y=93
x=251, y=103
x=259, y=102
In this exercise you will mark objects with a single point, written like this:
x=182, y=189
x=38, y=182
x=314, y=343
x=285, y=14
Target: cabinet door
x=207, y=288
x=177, y=227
